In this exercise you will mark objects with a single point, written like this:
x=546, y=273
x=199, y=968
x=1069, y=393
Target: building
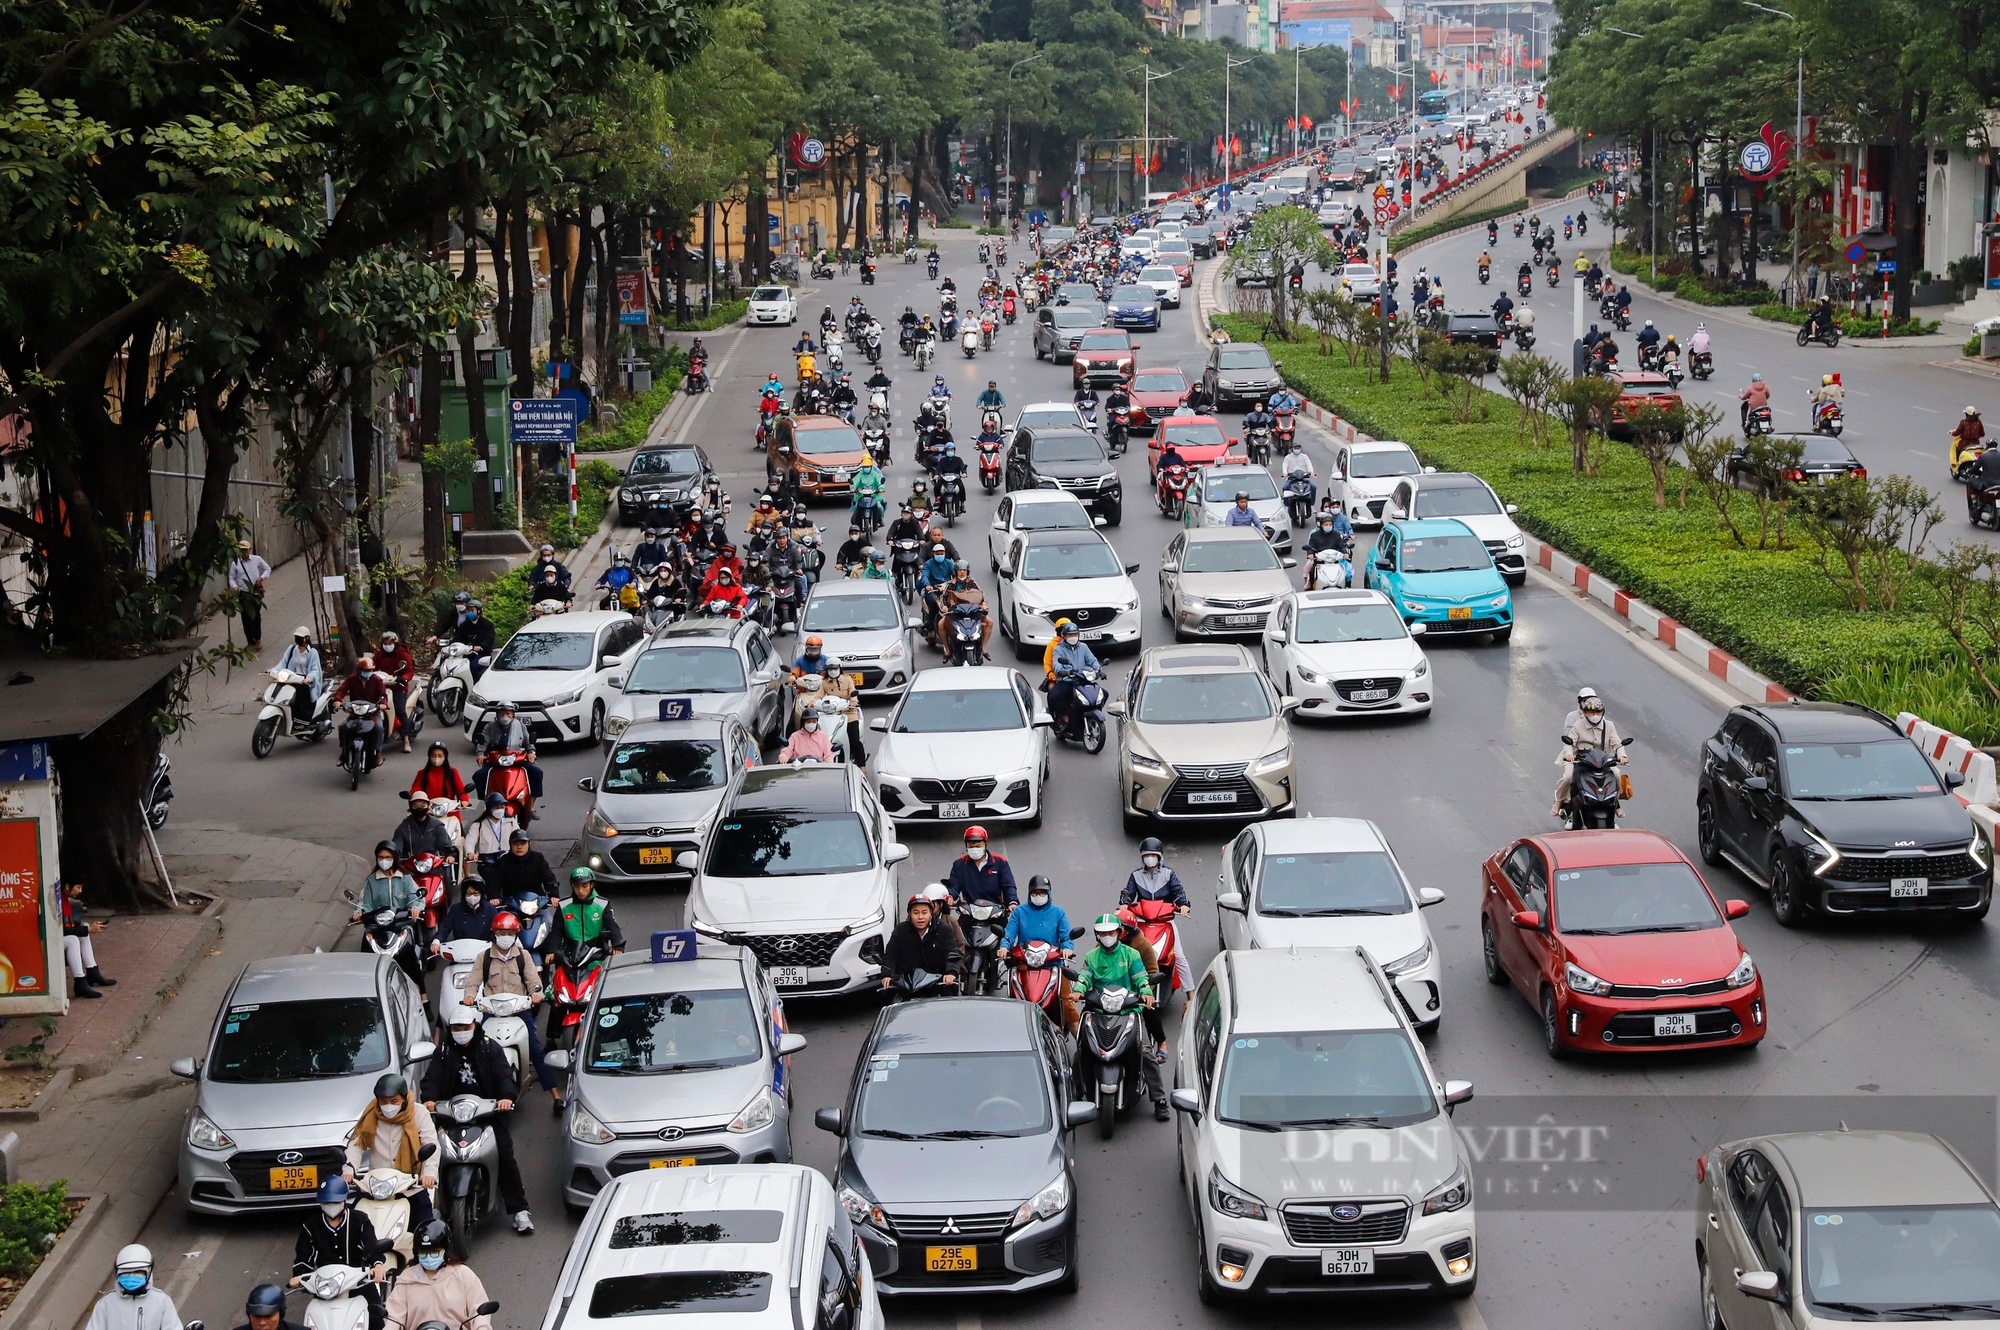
x=1359, y=26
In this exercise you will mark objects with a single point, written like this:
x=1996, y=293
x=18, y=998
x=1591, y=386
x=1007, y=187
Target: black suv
x=1835, y=811
x=1066, y=458
x=1238, y=373
x=662, y=484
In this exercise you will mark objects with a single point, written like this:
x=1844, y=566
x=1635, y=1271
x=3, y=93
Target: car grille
x=775, y=949
x=1209, y=780
x=975, y=789
x=1496, y=548
x=252, y=1169
x=1086, y=485
x=1946, y=866
x=987, y=1225
x=626, y=856
x=1347, y=688
x=640, y=1161
x=1380, y=1222
x=1685, y=991
x=1257, y=603
x=1091, y=616
x=1635, y=1027
x=1437, y=626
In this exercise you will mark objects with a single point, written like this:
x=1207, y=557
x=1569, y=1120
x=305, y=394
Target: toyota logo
x=1347, y=1214
x=671, y=1133
x=1213, y=774
x=291, y=1157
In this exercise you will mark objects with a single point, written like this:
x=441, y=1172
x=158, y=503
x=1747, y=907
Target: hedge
x=720, y=314
x=1851, y=325
x=1674, y=278
x=636, y=417
x=1446, y=225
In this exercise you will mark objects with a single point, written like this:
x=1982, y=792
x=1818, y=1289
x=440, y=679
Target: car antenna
x=1843, y=1124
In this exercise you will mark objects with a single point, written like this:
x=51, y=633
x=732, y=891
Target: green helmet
x=389, y=1084
x=1107, y=923
x=577, y=875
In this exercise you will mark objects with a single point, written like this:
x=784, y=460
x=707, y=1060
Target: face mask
x=132, y=1283
x=1107, y=940
x=976, y=853
x=471, y=902
x=1151, y=861
x=459, y=1036
x=431, y=1260
x=1038, y=899
x=504, y=942
x=390, y=1111
x=385, y=864
x=437, y=759
x=333, y=1210
x=811, y=726
x=420, y=813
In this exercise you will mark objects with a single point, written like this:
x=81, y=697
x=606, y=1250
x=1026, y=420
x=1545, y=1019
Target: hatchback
x=1438, y=573
x=661, y=781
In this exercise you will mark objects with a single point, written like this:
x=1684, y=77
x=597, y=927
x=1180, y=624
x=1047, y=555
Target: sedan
x=1133, y=305
x=1361, y=279
x=1821, y=459
x=1347, y=653
x=660, y=485
x=1334, y=213
x=1033, y=510
x=1638, y=388
x=1198, y=439
x=558, y=672
x=965, y=743
x=1074, y=575
x=1441, y=575
x=1202, y=735
x=1613, y=937
x=773, y=304
x=660, y=782
x=1220, y=581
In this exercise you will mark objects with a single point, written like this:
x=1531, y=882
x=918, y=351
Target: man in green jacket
x=1113, y=964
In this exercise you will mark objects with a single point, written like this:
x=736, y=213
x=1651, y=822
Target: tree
x=1583, y=405
x=1869, y=535
x=1656, y=434
x=1965, y=601
x=1280, y=239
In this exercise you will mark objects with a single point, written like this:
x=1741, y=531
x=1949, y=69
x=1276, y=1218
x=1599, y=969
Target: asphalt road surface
x=1854, y=1013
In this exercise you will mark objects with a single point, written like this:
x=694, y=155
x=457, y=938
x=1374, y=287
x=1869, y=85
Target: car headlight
x=1413, y=961
x=1193, y=603
x=1581, y=980
x=203, y=1134
x=868, y=924
x=860, y=1209
x=1128, y=607
x=1744, y=974
x=565, y=699
x=1497, y=603
x=1140, y=762
x=703, y=927
x=595, y=823
x=758, y=1114
x=1981, y=854
x=1415, y=606
x=1423, y=667
x=895, y=651
x=1046, y=1203
x=584, y=1127
x=1228, y=1199
x=1305, y=675
x=616, y=725
x=1516, y=541
x=1819, y=852
x=1454, y=1193
x=1272, y=761
x=474, y=702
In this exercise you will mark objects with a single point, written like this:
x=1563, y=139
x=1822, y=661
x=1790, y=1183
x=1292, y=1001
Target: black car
x=1835, y=811
x=1477, y=329
x=1201, y=239
x=1238, y=373
x=1066, y=458
x=1822, y=460
x=956, y=1159
x=1257, y=270
x=662, y=484
x=1058, y=328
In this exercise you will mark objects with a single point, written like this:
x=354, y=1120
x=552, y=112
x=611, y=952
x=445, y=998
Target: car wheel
x=1489, y=947
x=1786, y=906
x=1022, y=649
x=1705, y=836
x=597, y=723
x=1033, y=822
x=1206, y=1289
x=1552, y=1027
x=1711, y=1313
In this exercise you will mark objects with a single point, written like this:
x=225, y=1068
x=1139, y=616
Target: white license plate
x=1347, y=1261
x=955, y=810
x=789, y=976
x=1095, y=635
x=1212, y=797
x=1681, y=1022
x=1905, y=888
x=1371, y=694
x=1242, y=618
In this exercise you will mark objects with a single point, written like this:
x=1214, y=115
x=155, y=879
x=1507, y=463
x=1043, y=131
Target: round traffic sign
x=812, y=152
x=1855, y=253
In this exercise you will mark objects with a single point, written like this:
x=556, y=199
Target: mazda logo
x=1347, y=1214
x=671, y=1133
x=291, y=1157
x=1212, y=774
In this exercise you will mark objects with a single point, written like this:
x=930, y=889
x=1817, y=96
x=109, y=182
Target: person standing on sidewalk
x=135, y=1304
x=82, y=957
x=247, y=575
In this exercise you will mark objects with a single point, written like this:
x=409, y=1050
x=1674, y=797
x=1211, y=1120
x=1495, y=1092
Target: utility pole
x=1146, y=142
x=1297, y=51
x=1228, y=129
x=1009, y=215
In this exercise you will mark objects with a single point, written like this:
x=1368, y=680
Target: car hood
x=332, y=1099
x=1490, y=526
x=1074, y=470
x=1933, y=822
x=1655, y=959
x=988, y=1174
x=1235, y=586
x=686, y=1098
x=1133, y=306
x=1337, y=1164
x=1388, y=937
x=1210, y=743
x=766, y=905
x=812, y=457
x=1472, y=584
x=955, y=756
x=1075, y=591
x=1393, y=657
x=632, y=814
x=1375, y=487
x=860, y=642
x=1114, y=357
x=1166, y=401
x=529, y=685
x=1247, y=375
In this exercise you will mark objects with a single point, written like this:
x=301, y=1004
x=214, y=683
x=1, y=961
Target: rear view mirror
x=1076, y=933
x=1278, y=637
x=827, y=1119
x=1762, y=1285
x=606, y=662
x=188, y=1068
x=1418, y=630
x=556, y=1059
x=1131, y=568
x=790, y=1042
x=914, y=621
x=880, y=725
x=488, y=1307
x=1756, y=785
x=588, y=784
x=1081, y=1112
x=1230, y=900
x=1457, y=1092
x=420, y=1050
x=1429, y=896
x=1953, y=779
x=1527, y=919
x=1186, y=1101
x=896, y=853
x=1736, y=909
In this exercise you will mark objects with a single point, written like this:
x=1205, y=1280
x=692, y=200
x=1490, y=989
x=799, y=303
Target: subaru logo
x=291, y=1157
x=950, y=1226
x=1347, y=1214
x=1212, y=774
x=671, y=1133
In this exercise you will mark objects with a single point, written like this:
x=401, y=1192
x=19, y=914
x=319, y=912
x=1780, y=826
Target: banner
x=631, y=297
x=1318, y=32
x=23, y=946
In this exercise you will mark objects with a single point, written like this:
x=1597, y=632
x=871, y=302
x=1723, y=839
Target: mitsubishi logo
x=671, y=1133
x=1347, y=1214
x=291, y=1157
x=950, y=1226
x=1212, y=774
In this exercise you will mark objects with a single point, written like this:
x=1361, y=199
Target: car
x=983, y=1083
x=1295, y=1064
x=661, y=484
x=291, y=1061
x=1212, y=492
x=1177, y=252
x=801, y=867
x=1833, y=810
x=1332, y=882
x=1033, y=510
x=1104, y=219
x=772, y=304
x=1347, y=652
x=1071, y=460
x=1202, y=239
x=761, y=1246
x=1638, y=388
x=1078, y=293
x=1059, y=329
x=1156, y=393
x=560, y=673
x=1104, y=357
x=1052, y=238
x=966, y=743
x=687, y=1063
x=1132, y=305
x=1617, y=943
x=1335, y=213
x=1365, y=474
x=1240, y=372
x=826, y=451
x=1035, y=415
x=1361, y=279
x=1135, y=246
x=1821, y=459
x=1197, y=438
x=651, y=803
x=1438, y=573
x=1202, y=736
x=1843, y=1227
x=863, y=631
x=1177, y=211
x=1076, y=575
x=729, y=666
x=1255, y=269
x=1220, y=580
x=1478, y=328
x=1165, y=282
x=1472, y=501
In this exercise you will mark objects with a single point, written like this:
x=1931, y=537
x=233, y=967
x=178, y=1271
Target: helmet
x=505, y=921
x=332, y=1190
x=388, y=1085
x=814, y=642
x=868, y=459
x=1649, y=323
x=1070, y=630
x=1127, y=917
x=916, y=898
x=1593, y=704
x=1825, y=380
x=436, y=1236
x=1040, y=883
x=579, y=876
x=874, y=555
x=495, y=799
x=1701, y=327
x=460, y=1014
x=1105, y=923
x=132, y=1256
x=1062, y=624
x=382, y=845
x=1584, y=694
x=1756, y=378
x=269, y=1299
x=976, y=832
x=1151, y=845
x=458, y=599
x=937, y=894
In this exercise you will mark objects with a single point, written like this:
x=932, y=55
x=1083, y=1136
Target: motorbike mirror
x=1457, y=1092
x=1230, y=900
x=1735, y=909
x=1186, y=1101
x=896, y=853
x=827, y=1119
x=488, y=1307
x=421, y=1049
x=1528, y=919
x=1625, y=743
x=1080, y=1113
x=426, y=1152
x=1429, y=896
x=790, y=1042
x=588, y=785
x=1077, y=932
x=556, y=1059
x=1568, y=742
x=880, y=725
x=186, y=1068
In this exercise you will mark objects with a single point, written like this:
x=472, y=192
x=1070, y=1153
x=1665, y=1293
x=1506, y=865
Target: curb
x=27, y=1304
x=1982, y=779
x=57, y=1087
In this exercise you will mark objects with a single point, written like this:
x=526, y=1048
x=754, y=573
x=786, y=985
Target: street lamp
x=1798, y=140
x=1228, y=153
x=1029, y=60
x=1146, y=144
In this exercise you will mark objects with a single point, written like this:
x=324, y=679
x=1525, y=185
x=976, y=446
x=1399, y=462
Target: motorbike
x=1555, y=274
x=1329, y=570
x=906, y=561
x=931, y=265
x=822, y=271
x=1110, y=1052
x=906, y=340
x=1519, y=226
x=1814, y=331
x=962, y=639
x=697, y=376
x=1299, y=500
x=1963, y=457
x=510, y=777
x=1034, y=974
x=336, y=1303
x=1984, y=507
x=1593, y=787
x=280, y=714
x=1086, y=407
x=1524, y=337
x=989, y=465
x=1828, y=419
x=986, y=332
x=1089, y=696
x=1257, y=444
x=537, y=919
x=982, y=922
x=451, y=681
x=917, y=984
x=1582, y=226
x=1566, y=230
x=783, y=606
x=469, y=1178
x=159, y=792
x=1485, y=276
x=392, y=933
x=1172, y=489
x=577, y=969
x=360, y=739
x=1758, y=421
x=1007, y=311
x=871, y=345
x=926, y=348
x=909, y=253
x=1649, y=359
x=1701, y=364
x=506, y=1024
x=385, y=1199
x=1525, y=284
x=1156, y=922
x=968, y=342
x=868, y=272
x=1672, y=369
x=1285, y=428
x=951, y=498
x=1118, y=431
x=1593, y=286
x=1621, y=318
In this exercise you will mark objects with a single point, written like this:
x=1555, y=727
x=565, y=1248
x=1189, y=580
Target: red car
x=1198, y=439
x=1615, y=939
x=1638, y=387
x=1155, y=393
x=1103, y=357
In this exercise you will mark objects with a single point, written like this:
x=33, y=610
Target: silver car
x=728, y=666
x=661, y=781
x=1220, y=580
x=863, y=630
x=688, y=1063
x=291, y=1064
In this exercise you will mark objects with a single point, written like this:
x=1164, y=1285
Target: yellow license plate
x=951, y=1260
x=678, y=1161
x=299, y=1177
x=1455, y=612
x=655, y=854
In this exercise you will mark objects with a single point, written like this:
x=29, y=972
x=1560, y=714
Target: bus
x=1436, y=104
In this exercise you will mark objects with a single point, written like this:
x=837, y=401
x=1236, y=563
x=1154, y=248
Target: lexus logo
x=1347, y=1214
x=950, y=1226
x=1213, y=774
x=671, y=1133
x=291, y=1157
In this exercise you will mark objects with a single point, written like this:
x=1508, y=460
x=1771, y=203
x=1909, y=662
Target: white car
x=1332, y=882
x=966, y=743
x=1361, y=279
x=1335, y=213
x=1347, y=653
x=862, y=628
x=560, y=672
x=1366, y=474
x=1042, y=414
x=1066, y=574
x=1212, y=492
x=1131, y=245
x=773, y=305
x=1166, y=283
x=1034, y=510
x=1166, y=229
x=1472, y=501
x=800, y=865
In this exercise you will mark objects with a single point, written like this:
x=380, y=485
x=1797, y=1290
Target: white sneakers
x=524, y=1222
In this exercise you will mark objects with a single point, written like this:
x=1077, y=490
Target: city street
x=1859, y=1014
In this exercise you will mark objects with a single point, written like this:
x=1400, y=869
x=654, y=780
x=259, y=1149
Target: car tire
x=1206, y=1289
x=1707, y=839
x=1022, y=649
x=597, y=723
x=1786, y=907
x=1489, y=949
x=1711, y=1313
x=1552, y=1027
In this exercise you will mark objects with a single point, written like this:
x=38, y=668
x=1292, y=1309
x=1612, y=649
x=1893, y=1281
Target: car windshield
x=1444, y=554
x=1049, y=563
x=1929, y=1260
x=953, y=1096
x=958, y=711
x=546, y=651
x=1106, y=341
x=1341, y=1078
x=1827, y=450
x=1073, y=317
x=1186, y=435
x=1375, y=464
x=657, y=1032
x=1252, y=480
x=1304, y=886
x=1244, y=357
x=664, y=766
x=1143, y=295
x=1633, y=898
x=1891, y=769
x=1456, y=501
x=1076, y=291
x=1161, y=274
x=1195, y=699
x=788, y=844
x=768, y=293
x=1229, y=556
x=1369, y=621
x=263, y=1042
x=1159, y=381
x=667, y=462
x=1067, y=448
x=851, y=614
x=828, y=438
x=687, y=670
x=1176, y=246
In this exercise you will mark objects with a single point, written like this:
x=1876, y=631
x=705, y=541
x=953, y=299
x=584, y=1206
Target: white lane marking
x=1929, y=411
x=1466, y=1311
x=1921, y=453
x=971, y=1321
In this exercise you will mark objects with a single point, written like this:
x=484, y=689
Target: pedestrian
x=440, y=1287
x=1812, y=281
x=135, y=1304
x=85, y=977
x=247, y=575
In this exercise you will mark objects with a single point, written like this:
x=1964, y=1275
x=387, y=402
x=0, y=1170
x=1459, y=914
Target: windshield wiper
x=1348, y=1120
x=1336, y=914
x=1860, y=1310
x=691, y=1066
x=1912, y=1309
x=890, y=1132
x=961, y=1134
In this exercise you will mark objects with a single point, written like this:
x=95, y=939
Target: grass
x=720, y=315
x=1942, y=689
x=1445, y=226
x=1971, y=347
x=1854, y=325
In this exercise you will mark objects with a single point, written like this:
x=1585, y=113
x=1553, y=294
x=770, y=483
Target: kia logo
x=1677, y=979
x=291, y=1157
x=1347, y=1214
x=671, y=1133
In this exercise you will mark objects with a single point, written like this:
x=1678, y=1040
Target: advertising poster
x=23, y=947
x=631, y=297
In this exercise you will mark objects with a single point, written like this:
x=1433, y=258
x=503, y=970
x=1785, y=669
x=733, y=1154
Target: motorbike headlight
x=595, y=823
x=1140, y=762
x=758, y=1114
x=860, y=1209
x=616, y=725
x=1414, y=961
x=1819, y=852
x=1454, y=1193
x=584, y=1127
x=1516, y=541
x=1046, y=1203
x=203, y=1134
x=1744, y=974
x=1228, y=1199
x=1581, y=980
x=1272, y=761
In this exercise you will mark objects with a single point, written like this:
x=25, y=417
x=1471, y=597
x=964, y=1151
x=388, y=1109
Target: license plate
x=1905, y=888
x=1242, y=618
x=1459, y=612
x=652, y=855
x=1095, y=635
x=1212, y=797
x=1681, y=1022
x=1371, y=694
x=1347, y=1261
x=299, y=1177
x=960, y=809
x=678, y=1161
x=951, y=1260
x=789, y=976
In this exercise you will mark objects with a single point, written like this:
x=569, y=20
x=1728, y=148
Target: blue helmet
x=334, y=1191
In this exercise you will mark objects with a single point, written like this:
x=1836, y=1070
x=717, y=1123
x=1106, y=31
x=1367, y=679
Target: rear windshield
x=691, y=1293
x=1385, y=462
x=1051, y=517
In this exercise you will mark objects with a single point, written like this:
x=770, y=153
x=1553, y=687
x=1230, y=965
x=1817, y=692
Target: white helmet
x=133, y=1256
x=936, y=891
x=460, y=1015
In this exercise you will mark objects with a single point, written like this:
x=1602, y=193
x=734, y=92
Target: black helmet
x=388, y=845
x=1151, y=845
x=265, y=1300
x=388, y=1085
x=436, y=1236
x=1040, y=883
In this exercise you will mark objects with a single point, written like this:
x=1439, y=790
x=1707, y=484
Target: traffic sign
x=1381, y=213
x=1885, y=265
x=542, y=419
x=1855, y=253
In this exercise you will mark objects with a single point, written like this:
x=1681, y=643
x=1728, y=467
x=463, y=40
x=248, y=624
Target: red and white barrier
x=1953, y=753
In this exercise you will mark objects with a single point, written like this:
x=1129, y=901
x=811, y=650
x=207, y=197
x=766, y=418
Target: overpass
x=1505, y=183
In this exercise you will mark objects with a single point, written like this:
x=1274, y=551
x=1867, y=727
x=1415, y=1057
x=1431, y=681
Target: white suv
x=1472, y=501
x=1315, y=1140
x=1365, y=474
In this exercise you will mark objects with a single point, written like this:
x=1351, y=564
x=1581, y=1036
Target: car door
x=996, y=538
x=1031, y=707
x=1402, y=501
x=1017, y=460
x=1202, y=1052
x=1732, y=1246
x=1760, y=811
x=1244, y=860
x=1277, y=657
x=1338, y=482
x=1723, y=762
x=1045, y=326
x=1381, y=570
x=1523, y=885
x=1170, y=569
x=764, y=671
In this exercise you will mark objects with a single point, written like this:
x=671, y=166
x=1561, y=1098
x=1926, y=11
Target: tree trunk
x=605, y=244
x=1906, y=175
x=556, y=226
x=757, y=232
x=579, y=280
x=103, y=834
x=430, y=407
x=521, y=327
x=361, y=431
x=474, y=380
x=839, y=177
x=917, y=154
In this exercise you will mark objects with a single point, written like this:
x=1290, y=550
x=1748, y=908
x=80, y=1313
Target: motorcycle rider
x=440, y=1289
x=1152, y=880
x=1526, y=272
x=1829, y=390
x=1257, y=418
x=1622, y=302
x=1040, y=919
x=1298, y=465
x=486, y=838
x=420, y=833
x=391, y=1132
x=1503, y=309
x=1591, y=728
x=502, y=734
x=394, y=659
x=962, y=590
x=1070, y=657
x=1593, y=277
x=1698, y=345
x=724, y=588
x=471, y=917
x=936, y=574
x=809, y=740
x=1970, y=431
x=472, y=1064
x=389, y=888
x=135, y=1303
x=363, y=684
x=981, y=875
x=853, y=550
x=920, y=942
x=842, y=401
x=1486, y=261
x=877, y=569
x=866, y=487
x=1332, y=532
x=546, y=562
x=1111, y=963
x=1820, y=322
x=475, y=630
x=437, y=777
x=650, y=552
x=338, y=1234
x=616, y=578
x=302, y=658
x=991, y=399
x=1240, y=513
x=519, y=873
x=1985, y=475
x=1647, y=338
x=1757, y=395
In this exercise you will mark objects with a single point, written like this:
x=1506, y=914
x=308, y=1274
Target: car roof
x=576, y=621
x=309, y=977
x=1447, y=480
x=813, y=423
x=1825, y=722
x=1274, y=989
x=1600, y=849
x=1868, y=1168
x=1426, y=526
x=1341, y=596
x=806, y=789
x=967, y=676
x=784, y=1189
x=1198, y=656
x=716, y=965
x=956, y=1025
x=851, y=586
x=1200, y=534
x=1063, y=535
x=1308, y=834
x=1045, y=496
x=697, y=726
x=711, y=627
x=1377, y=445
x=1046, y=406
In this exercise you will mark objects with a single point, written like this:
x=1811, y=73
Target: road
x=1852, y=1013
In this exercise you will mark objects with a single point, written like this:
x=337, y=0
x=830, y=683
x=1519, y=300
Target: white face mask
x=1038, y=899
x=385, y=864
x=333, y=1210
x=975, y=852
x=1107, y=940
x=1151, y=861
x=391, y=1111
x=503, y=942
x=472, y=902
x=812, y=726
x=459, y=1036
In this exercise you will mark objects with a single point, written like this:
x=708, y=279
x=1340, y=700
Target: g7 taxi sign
x=673, y=944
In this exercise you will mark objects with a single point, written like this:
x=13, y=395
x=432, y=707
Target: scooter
x=1034, y=974
x=1827, y=419
x=458, y=987
x=1172, y=491
x=1672, y=369
x=968, y=342
x=507, y=1025
x=469, y=1177
x=1813, y=331
x=159, y=792
x=906, y=561
x=951, y=498
x=1525, y=284
x=962, y=641
x=1485, y=276
x=1109, y=1053
x=868, y=277
x=1090, y=696
x=1758, y=421
x=1555, y=274
x=697, y=376
x=871, y=346
x=1621, y=318
x=989, y=465
x=986, y=330
x=451, y=681
x=336, y=1303
x=385, y=1199
x=510, y=777
x=1519, y=226
x=578, y=967
x=392, y=933
x=1156, y=922
x=278, y=714
x=1299, y=500
x=982, y=922
x=1328, y=571
x=1257, y=443
x=1984, y=507
x=1593, y=788
x=1701, y=364
x=360, y=740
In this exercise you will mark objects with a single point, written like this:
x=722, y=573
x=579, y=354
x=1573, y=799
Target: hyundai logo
x=671, y=1133
x=656, y=831
x=788, y=944
x=291, y=1157
x=1347, y=1214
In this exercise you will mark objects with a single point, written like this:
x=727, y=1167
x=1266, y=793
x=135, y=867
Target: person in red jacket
x=725, y=562
x=394, y=659
x=438, y=778
x=365, y=683
x=726, y=590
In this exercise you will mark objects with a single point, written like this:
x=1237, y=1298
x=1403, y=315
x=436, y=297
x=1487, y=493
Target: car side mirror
x=790, y=1042
x=1278, y=636
x=420, y=1050
x=1513, y=508
x=588, y=785
x=1953, y=779
x=186, y=1068
x=1278, y=364
x=1288, y=563
x=1429, y=896
x=1006, y=574
x=1131, y=568
x=896, y=853
x=1756, y=785
x=880, y=725
x=1080, y=1113
x=1186, y=1101
x=556, y=1059
x=1231, y=901
x=606, y=662
x=1762, y=1285
x=690, y=861
x=1457, y=1092
x=1044, y=722
x=827, y=1119
x=1735, y=909
x=1114, y=709
x=1288, y=704
x=1530, y=920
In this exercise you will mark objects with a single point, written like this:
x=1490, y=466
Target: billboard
x=24, y=966
x=1319, y=32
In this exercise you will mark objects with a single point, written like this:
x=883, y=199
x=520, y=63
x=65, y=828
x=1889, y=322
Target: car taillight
x=1798, y=475
x=1701, y=1168
x=1861, y=473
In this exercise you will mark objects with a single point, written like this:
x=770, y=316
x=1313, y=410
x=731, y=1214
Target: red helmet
x=916, y=899
x=1127, y=917
x=506, y=922
x=975, y=832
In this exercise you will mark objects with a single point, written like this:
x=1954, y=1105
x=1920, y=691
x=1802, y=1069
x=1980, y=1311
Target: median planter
x=1933, y=293
x=25, y=1300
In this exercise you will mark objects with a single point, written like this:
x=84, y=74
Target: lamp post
x=1228, y=143
x=1798, y=141
x=1146, y=142
x=1008, y=216
x=1297, y=51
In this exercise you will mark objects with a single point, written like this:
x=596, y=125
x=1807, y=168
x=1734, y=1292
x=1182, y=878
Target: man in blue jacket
x=980, y=875
x=1040, y=919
